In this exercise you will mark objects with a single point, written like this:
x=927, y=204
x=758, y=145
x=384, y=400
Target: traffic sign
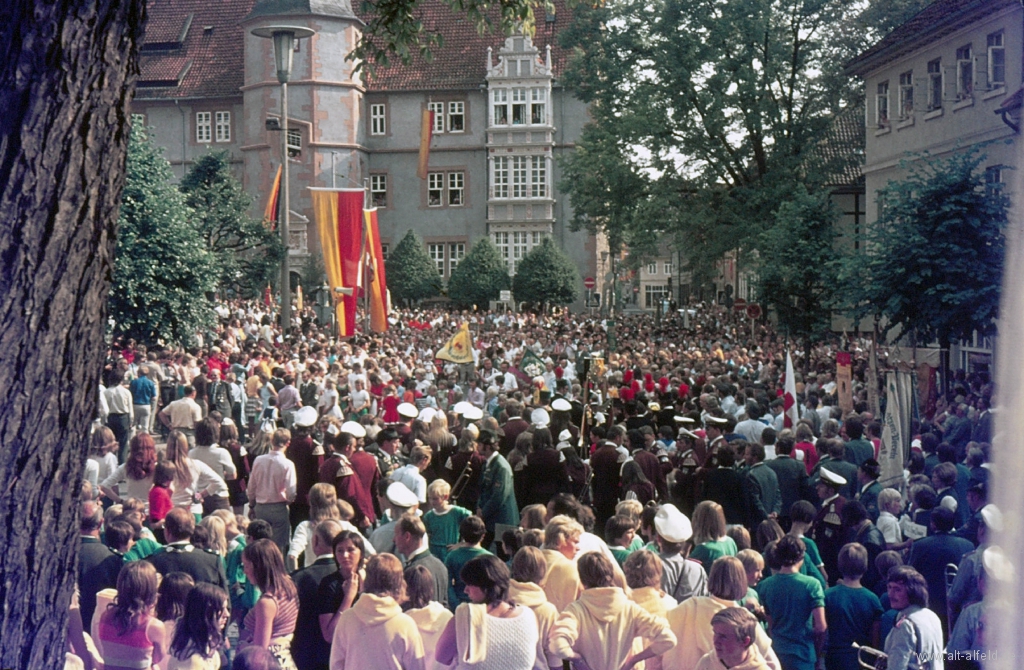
x=589, y=283
x=636, y=289
x=739, y=304
x=753, y=311
x=505, y=296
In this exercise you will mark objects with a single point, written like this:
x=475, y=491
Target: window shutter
x=981, y=72
x=949, y=75
x=921, y=94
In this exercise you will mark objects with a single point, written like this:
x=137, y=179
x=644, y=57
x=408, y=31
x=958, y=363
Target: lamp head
x=284, y=46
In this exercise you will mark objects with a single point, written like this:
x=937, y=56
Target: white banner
x=896, y=437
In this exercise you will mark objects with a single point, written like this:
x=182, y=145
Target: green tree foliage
x=546, y=276
x=881, y=17
x=163, y=269
x=248, y=254
x=934, y=258
x=703, y=113
x=480, y=276
x=795, y=273
x=411, y=274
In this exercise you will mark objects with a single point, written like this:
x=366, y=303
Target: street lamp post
x=284, y=46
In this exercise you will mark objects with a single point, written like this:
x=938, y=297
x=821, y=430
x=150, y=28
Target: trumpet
x=459, y=487
x=870, y=658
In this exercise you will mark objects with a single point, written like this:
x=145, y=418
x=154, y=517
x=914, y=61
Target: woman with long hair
x=199, y=635
x=508, y=632
x=374, y=634
x=102, y=448
x=136, y=471
x=710, y=539
x=236, y=487
x=218, y=543
x=430, y=616
x=129, y=636
x=323, y=505
x=338, y=591
x=195, y=480
x=271, y=622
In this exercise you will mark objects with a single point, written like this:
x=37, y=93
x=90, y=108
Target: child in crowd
x=443, y=519
x=802, y=515
x=620, y=532
x=890, y=506
x=753, y=565
x=160, y=496
x=852, y=611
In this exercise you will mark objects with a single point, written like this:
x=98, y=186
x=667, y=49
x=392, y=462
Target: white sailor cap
x=304, y=417
x=672, y=524
x=832, y=478
x=992, y=517
x=462, y=407
x=561, y=405
x=565, y=435
x=473, y=413
x=679, y=418
x=716, y=421
x=399, y=495
x=354, y=429
x=540, y=418
x=408, y=410
x=427, y=414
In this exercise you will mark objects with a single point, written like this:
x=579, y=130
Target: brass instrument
x=869, y=657
x=951, y=572
x=459, y=487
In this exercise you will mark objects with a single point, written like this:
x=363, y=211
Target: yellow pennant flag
x=459, y=349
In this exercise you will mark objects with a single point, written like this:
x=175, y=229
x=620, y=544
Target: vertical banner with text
x=844, y=381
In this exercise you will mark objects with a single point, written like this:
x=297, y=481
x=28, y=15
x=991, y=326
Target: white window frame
x=935, y=84
x=435, y=189
x=906, y=94
x=379, y=190
x=652, y=268
x=882, y=104
x=222, y=126
x=438, y=109
x=667, y=267
x=520, y=105
x=294, y=140
x=456, y=252
x=520, y=169
x=499, y=177
x=964, y=72
x=654, y=295
x=436, y=252
x=457, y=110
x=501, y=241
x=204, y=127
x=456, y=182
x=539, y=177
x=378, y=119
x=499, y=107
x=538, y=106
x=995, y=42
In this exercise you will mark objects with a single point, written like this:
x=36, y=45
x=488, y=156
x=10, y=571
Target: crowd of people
x=270, y=499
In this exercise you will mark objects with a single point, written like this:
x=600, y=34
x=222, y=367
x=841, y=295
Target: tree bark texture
x=67, y=71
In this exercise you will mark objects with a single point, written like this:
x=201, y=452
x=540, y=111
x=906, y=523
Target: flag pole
x=362, y=255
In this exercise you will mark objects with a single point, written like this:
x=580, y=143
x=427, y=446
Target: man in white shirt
x=272, y=485
x=121, y=415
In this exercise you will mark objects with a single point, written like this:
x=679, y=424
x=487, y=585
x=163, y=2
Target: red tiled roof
x=163, y=70
x=461, y=63
x=839, y=154
x=937, y=19
x=213, y=44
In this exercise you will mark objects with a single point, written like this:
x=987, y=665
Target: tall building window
x=456, y=251
x=513, y=246
x=906, y=94
x=652, y=268
x=935, y=84
x=223, y=129
x=435, y=189
x=438, y=109
x=519, y=171
x=996, y=61
x=539, y=178
x=499, y=180
x=203, y=126
x=882, y=104
x=456, y=189
x=654, y=295
x=456, y=117
x=538, y=106
x=994, y=179
x=518, y=106
x=499, y=105
x=964, y=73
x=294, y=141
x=379, y=189
x=378, y=119
x=668, y=268
x=436, y=253
x=501, y=242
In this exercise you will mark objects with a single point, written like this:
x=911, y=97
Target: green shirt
x=455, y=561
x=708, y=552
x=622, y=553
x=142, y=548
x=789, y=600
x=443, y=529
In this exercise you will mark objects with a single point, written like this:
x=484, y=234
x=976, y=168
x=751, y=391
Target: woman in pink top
x=271, y=623
x=130, y=637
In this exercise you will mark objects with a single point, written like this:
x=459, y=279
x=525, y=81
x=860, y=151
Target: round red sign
x=589, y=283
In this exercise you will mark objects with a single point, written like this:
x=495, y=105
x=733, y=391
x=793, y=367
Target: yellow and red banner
x=459, y=349
x=339, y=215
x=426, y=134
x=377, y=286
x=272, y=212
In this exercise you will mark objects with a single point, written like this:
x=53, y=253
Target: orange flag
x=426, y=133
x=376, y=280
x=339, y=217
x=272, y=212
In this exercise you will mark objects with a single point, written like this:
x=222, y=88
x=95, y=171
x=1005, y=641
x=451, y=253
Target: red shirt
x=159, y=503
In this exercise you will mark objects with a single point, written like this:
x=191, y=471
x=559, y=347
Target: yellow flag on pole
x=459, y=349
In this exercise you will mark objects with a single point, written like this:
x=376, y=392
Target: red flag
x=339, y=215
x=789, y=409
x=272, y=212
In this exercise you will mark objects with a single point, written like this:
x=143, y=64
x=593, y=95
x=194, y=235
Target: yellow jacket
x=601, y=626
x=531, y=595
x=691, y=622
x=562, y=581
x=374, y=634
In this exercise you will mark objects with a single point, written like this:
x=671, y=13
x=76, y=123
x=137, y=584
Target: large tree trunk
x=66, y=76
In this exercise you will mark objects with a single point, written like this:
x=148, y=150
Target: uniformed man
x=868, y=487
x=827, y=528
x=683, y=489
